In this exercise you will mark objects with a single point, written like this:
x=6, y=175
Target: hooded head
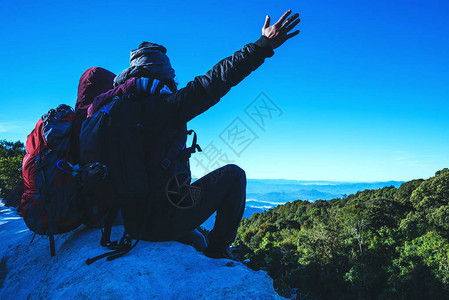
x=93, y=82
x=149, y=60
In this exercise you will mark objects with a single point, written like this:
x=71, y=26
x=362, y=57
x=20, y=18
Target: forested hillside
x=389, y=243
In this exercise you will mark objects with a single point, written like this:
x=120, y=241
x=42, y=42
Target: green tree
x=431, y=201
x=422, y=269
x=11, y=155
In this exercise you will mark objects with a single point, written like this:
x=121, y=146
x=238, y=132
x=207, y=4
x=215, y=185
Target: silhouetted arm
x=205, y=91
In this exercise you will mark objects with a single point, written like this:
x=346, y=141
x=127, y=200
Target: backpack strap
x=174, y=151
x=125, y=244
x=123, y=248
x=94, y=259
x=192, y=149
x=52, y=245
x=51, y=221
x=108, y=221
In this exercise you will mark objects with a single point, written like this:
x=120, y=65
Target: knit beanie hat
x=149, y=60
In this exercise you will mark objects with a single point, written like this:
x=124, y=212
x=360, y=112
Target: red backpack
x=51, y=202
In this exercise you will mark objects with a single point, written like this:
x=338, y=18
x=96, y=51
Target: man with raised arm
x=176, y=207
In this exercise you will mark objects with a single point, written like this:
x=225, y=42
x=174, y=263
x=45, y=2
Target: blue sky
x=362, y=92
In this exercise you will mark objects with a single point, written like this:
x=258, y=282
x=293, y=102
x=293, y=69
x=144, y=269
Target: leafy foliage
x=11, y=155
x=376, y=244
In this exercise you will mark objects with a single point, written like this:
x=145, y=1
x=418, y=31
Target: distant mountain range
x=263, y=194
x=263, y=186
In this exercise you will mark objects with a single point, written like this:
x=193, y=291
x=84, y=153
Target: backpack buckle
x=165, y=164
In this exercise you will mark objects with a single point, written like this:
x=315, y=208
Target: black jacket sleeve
x=205, y=91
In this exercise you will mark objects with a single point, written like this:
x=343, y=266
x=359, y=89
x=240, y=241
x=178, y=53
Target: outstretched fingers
x=289, y=21
x=284, y=16
x=279, y=32
x=292, y=34
x=292, y=25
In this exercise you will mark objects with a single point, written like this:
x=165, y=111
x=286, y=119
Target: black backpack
x=112, y=150
x=114, y=156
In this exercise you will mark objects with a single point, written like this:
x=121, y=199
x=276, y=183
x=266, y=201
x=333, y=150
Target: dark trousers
x=223, y=191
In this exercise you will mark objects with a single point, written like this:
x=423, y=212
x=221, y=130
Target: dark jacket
x=166, y=115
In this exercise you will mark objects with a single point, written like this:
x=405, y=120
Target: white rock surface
x=168, y=270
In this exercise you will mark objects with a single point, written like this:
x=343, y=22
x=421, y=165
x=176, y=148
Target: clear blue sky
x=363, y=90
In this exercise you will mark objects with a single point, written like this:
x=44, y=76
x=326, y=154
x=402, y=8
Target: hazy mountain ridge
x=267, y=193
x=263, y=186
x=263, y=194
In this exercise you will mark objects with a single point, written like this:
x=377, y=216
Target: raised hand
x=278, y=33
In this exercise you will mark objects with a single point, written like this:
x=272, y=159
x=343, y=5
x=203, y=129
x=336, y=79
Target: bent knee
x=236, y=170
